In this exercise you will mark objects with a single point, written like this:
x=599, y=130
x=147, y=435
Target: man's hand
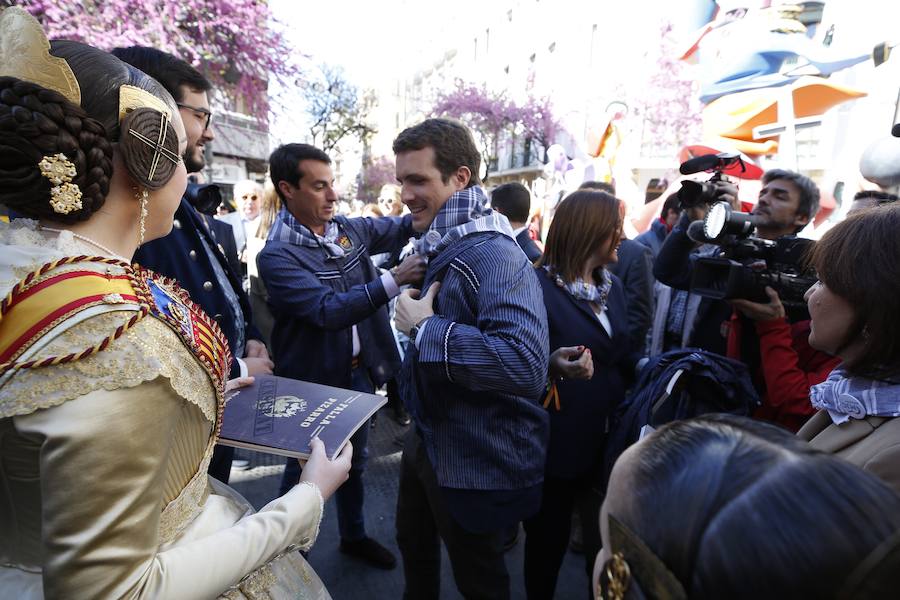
x=697, y=213
x=411, y=310
x=572, y=362
x=728, y=192
x=258, y=366
x=411, y=270
x=762, y=312
x=255, y=349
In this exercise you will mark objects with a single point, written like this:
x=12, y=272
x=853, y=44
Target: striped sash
x=51, y=300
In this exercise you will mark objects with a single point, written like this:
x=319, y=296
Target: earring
x=143, y=196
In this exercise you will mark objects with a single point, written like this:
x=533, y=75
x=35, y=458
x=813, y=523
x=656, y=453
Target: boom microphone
x=699, y=163
x=708, y=162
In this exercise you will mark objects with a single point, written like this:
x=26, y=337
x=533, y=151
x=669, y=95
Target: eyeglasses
x=197, y=109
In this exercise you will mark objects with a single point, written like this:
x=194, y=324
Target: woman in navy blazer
x=585, y=309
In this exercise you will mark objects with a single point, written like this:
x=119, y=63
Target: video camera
x=205, y=197
x=747, y=264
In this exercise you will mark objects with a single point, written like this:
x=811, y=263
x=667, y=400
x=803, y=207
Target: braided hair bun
x=36, y=122
x=149, y=154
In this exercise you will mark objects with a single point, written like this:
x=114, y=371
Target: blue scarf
x=848, y=398
x=464, y=213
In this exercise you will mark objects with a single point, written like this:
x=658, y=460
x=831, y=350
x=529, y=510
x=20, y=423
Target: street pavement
x=349, y=579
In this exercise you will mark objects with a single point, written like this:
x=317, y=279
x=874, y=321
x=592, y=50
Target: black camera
x=747, y=264
x=205, y=197
x=696, y=193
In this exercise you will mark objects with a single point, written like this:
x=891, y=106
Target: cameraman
x=761, y=335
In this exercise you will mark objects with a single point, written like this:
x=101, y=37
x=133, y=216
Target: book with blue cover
x=282, y=416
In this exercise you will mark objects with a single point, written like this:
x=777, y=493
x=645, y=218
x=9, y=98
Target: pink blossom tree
x=375, y=173
x=539, y=123
x=669, y=102
x=236, y=43
x=489, y=115
x=494, y=119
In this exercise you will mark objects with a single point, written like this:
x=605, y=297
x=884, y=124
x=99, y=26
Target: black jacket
x=577, y=429
x=635, y=269
x=181, y=255
x=528, y=246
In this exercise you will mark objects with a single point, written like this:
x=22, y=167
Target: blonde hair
x=268, y=208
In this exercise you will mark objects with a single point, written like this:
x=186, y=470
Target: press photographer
x=759, y=333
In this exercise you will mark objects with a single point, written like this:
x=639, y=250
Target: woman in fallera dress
x=111, y=380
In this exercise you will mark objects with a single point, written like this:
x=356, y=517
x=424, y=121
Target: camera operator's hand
x=762, y=312
x=728, y=192
x=697, y=213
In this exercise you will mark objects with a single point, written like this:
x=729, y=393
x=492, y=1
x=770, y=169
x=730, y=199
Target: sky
x=368, y=37
x=374, y=41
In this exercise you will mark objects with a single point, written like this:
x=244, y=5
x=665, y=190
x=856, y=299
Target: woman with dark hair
x=853, y=311
x=112, y=381
x=588, y=320
x=728, y=507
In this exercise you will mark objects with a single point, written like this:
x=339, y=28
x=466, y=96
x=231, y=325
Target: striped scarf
x=848, y=398
x=582, y=290
x=286, y=228
x=464, y=213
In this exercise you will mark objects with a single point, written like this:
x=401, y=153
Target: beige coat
x=872, y=443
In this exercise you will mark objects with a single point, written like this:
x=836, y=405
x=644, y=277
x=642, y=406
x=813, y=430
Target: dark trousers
x=423, y=521
x=220, y=463
x=547, y=534
x=351, y=495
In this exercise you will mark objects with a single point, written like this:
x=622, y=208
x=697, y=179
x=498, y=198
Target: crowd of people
x=128, y=313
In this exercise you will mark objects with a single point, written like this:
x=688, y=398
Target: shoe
x=401, y=416
x=370, y=551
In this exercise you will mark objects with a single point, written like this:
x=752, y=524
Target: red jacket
x=789, y=366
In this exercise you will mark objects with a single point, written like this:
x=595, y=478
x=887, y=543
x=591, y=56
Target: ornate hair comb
x=25, y=54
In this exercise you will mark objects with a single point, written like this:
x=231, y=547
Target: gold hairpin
x=25, y=54
x=158, y=149
x=65, y=196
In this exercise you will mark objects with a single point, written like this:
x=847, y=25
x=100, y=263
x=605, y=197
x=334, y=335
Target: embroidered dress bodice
x=103, y=485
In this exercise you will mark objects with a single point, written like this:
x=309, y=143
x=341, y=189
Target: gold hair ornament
x=25, y=54
x=143, y=196
x=619, y=575
x=65, y=196
x=131, y=97
x=631, y=563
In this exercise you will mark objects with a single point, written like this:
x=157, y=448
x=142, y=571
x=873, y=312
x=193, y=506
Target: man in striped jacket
x=473, y=375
